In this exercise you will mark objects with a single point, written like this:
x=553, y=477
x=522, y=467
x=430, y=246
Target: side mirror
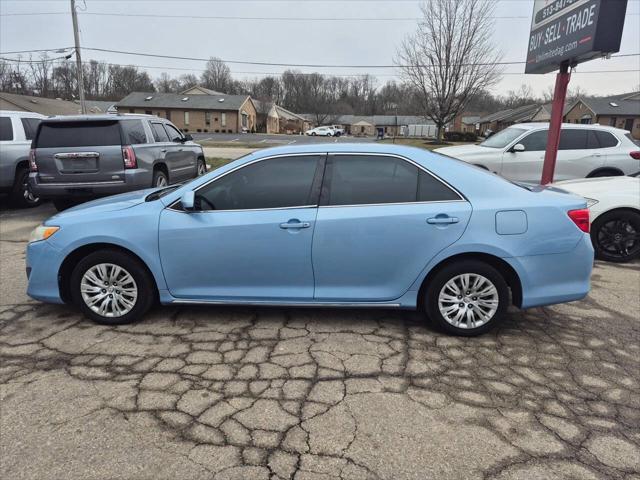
x=518, y=147
x=188, y=201
x=188, y=137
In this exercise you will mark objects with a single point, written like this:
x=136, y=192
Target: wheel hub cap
x=109, y=290
x=468, y=301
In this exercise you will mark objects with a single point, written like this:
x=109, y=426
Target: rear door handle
x=442, y=220
x=295, y=224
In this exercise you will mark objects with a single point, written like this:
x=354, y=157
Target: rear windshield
x=78, y=134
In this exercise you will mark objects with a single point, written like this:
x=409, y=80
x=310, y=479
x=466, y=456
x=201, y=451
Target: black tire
x=313, y=134
x=616, y=236
x=202, y=168
x=605, y=173
x=450, y=272
x=21, y=195
x=159, y=179
x=61, y=205
x=145, y=285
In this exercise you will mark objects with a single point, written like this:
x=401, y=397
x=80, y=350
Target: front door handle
x=294, y=223
x=442, y=220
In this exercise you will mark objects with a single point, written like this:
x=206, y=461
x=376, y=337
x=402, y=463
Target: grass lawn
x=216, y=162
x=206, y=143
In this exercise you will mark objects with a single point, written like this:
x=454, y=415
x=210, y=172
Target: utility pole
x=76, y=37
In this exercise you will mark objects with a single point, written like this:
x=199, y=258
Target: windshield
x=503, y=138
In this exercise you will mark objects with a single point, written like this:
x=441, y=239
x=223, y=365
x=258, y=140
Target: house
x=622, y=111
x=504, y=118
x=42, y=105
x=195, y=112
x=465, y=122
x=198, y=90
x=385, y=125
x=362, y=128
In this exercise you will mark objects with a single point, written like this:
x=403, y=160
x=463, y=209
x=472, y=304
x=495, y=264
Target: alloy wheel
x=468, y=301
x=109, y=290
x=161, y=181
x=202, y=169
x=619, y=238
x=29, y=197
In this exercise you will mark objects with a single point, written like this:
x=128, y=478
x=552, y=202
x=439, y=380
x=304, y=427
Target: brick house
x=621, y=111
x=195, y=112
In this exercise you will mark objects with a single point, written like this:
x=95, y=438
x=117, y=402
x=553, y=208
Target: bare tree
x=217, y=76
x=450, y=57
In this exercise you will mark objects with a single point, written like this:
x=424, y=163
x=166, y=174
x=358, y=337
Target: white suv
x=321, y=131
x=17, y=129
x=517, y=152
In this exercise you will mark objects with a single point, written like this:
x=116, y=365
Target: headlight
x=591, y=202
x=42, y=232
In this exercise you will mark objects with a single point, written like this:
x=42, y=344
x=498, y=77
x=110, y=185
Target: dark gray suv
x=77, y=158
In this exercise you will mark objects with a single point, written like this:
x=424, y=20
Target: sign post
x=565, y=33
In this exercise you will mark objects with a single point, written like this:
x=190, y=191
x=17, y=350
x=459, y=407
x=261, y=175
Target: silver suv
x=17, y=129
x=77, y=158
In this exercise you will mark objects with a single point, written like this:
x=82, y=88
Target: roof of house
x=624, y=104
x=182, y=101
x=45, y=106
x=203, y=90
x=515, y=115
x=289, y=115
x=98, y=106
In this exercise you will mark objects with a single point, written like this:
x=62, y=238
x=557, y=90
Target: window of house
x=133, y=132
x=363, y=179
x=573, y=139
x=223, y=119
x=612, y=121
x=148, y=112
x=274, y=183
x=30, y=126
x=186, y=118
x=6, y=131
x=159, y=133
x=207, y=118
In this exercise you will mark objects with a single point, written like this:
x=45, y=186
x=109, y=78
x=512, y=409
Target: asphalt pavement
x=313, y=394
x=274, y=140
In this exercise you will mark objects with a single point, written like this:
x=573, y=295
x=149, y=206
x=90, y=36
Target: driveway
x=256, y=393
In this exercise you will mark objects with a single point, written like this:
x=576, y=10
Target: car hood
x=596, y=187
x=467, y=152
x=107, y=204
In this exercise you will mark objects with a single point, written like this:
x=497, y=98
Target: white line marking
x=234, y=140
x=292, y=141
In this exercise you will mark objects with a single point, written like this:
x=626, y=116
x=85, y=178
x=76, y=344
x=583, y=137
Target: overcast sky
x=313, y=41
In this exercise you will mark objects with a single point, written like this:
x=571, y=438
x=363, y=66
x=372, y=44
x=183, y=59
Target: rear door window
x=78, y=134
x=605, y=139
x=30, y=126
x=159, y=133
x=573, y=139
x=6, y=131
x=133, y=132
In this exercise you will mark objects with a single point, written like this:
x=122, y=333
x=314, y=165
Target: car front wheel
x=616, y=236
x=111, y=287
x=467, y=298
x=21, y=195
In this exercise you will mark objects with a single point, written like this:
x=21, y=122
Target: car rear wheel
x=616, y=236
x=160, y=179
x=202, y=167
x=21, y=194
x=111, y=287
x=467, y=298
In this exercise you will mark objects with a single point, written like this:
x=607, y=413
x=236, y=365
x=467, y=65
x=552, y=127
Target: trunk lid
x=79, y=152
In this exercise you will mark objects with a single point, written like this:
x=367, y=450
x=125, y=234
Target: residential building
x=622, y=111
x=505, y=118
x=198, y=112
x=384, y=125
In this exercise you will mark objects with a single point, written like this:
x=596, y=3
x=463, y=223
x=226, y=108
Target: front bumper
x=43, y=264
x=134, y=180
x=556, y=278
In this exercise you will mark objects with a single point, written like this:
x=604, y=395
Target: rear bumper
x=557, y=278
x=43, y=264
x=134, y=180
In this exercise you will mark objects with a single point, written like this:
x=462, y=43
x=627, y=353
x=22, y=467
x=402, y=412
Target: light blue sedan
x=322, y=225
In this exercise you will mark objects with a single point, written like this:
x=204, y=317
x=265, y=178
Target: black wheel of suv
x=467, y=298
x=616, y=236
x=21, y=194
x=112, y=287
x=160, y=179
x=202, y=167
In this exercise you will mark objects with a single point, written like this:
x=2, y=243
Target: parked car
x=17, y=129
x=360, y=226
x=321, y=131
x=338, y=131
x=614, y=203
x=76, y=158
x=517, y=152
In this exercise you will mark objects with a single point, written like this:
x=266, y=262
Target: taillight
x=129, y=157
x=635, y=155
x=33, y=166
x=580, y=218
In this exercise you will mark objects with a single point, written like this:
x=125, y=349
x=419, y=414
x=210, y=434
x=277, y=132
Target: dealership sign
x=573, y=31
